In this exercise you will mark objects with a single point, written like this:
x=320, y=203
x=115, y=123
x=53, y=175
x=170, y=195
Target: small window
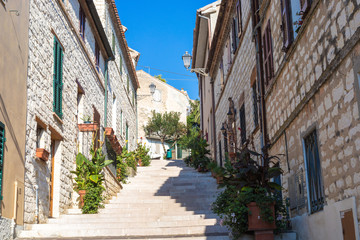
x=239, y=17
x=39, y=136
x=312, y=159
x=242, y=124
x=127, y=136
x=268, y=55
x=96, y=136
x=82, y=19
x=2, y=143
x=222, y=74
x=97, y=57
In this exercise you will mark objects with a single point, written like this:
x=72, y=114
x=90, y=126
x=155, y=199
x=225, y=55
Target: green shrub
x=142, y=154
x=122, y=172
x=93, y=199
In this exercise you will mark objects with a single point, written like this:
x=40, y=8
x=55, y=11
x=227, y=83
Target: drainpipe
x=260, y=76
x=213, y=117
x=13, y=224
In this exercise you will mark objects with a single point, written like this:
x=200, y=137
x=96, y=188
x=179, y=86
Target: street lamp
x=152, y=87
x=187, y=62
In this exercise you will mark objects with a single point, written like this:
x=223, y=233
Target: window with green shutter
x=58, y=84
x=113, y=43
x=127, y=77
x=2, y=142
x=121, y=62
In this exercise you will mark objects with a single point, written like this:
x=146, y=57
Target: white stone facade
x=60, y=19
x=165, y=99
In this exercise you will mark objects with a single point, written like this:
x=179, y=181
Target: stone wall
x=5, y=229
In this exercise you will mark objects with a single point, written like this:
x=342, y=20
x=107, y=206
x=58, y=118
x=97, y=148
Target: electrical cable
x=165, y=71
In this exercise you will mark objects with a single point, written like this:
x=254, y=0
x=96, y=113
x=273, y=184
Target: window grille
x=97, y=57
x=57, y=81
x=243, y=124
x=314, y=178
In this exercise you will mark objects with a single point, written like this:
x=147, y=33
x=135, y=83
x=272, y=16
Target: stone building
x=298, y=63
x=14, y=24
x=311, y=77
x=204, y=29
x=165, y=98
x=79, y=67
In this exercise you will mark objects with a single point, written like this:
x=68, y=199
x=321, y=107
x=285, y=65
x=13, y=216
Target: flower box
x=42, y=154
x=88, y=127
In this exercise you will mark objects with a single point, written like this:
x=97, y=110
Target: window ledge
x=57, y=118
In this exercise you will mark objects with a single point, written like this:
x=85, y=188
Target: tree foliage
x=166, y=126
x=193, y=120
x=160, y=78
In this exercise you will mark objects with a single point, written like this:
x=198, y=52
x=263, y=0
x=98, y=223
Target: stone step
x=128, y=232
x=218, y=237
x=119, y=218
x=108, y=224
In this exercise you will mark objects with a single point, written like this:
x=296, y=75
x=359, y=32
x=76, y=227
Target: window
x=96, y=136
x=114, y=113
x=57, y=79
x=133, y=98
x=39, y=136
x=113, y=43
x=255, y=104
x=268, y=55
x=239, y=17
x=305, y=5
x=228, y=47
x=82, y=19
x=312, y=160
x=121, y=123
x=242, y=124
x=222, y=74
x=286, y=25
x=121, y=63
x=97, y=57
x=235, y=34
x=127, y=83
x=2, y=142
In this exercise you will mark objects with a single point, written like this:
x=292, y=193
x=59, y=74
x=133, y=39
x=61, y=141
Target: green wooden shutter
x=58, y=74
x=2, y=142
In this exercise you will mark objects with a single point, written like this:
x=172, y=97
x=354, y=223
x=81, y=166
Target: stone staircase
x=165, y=200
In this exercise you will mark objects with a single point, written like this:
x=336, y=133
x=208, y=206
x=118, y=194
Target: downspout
x=260, y=77
x=13, y=224
x=213, y=117
x=36, y=187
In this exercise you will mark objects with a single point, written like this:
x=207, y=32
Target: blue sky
x=162, y=31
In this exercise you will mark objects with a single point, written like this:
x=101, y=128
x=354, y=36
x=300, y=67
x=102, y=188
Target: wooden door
x=347, y=222
x=51, y=184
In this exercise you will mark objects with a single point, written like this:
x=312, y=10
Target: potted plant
x=81, y=178
x=86, y=119
x=250, y=200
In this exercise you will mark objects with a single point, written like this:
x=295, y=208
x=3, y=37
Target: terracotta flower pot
x=140, y=162
x=109, y=131
x=232, y=154
x=219, y=179
x=82, y=194
x=255, y=221
x=42, y=154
